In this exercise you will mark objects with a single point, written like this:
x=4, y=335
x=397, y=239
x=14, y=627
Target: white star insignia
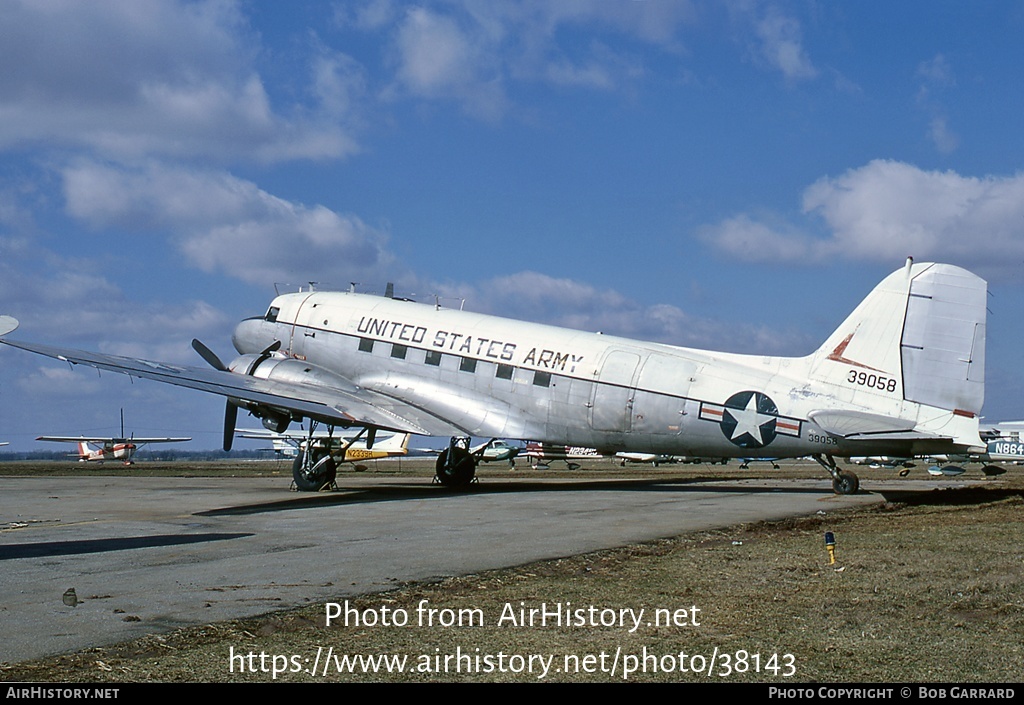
x=749, y=420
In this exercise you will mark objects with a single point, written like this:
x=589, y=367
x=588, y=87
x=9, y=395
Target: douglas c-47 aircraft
x=902, y=376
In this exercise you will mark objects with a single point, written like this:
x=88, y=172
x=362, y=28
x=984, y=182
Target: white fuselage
x=122, y=451
x=501, y=378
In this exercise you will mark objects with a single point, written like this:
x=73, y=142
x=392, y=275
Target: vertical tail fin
x=918, y=337
x=394, y=442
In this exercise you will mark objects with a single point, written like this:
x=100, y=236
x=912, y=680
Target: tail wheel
x=456, y=467
x=312, y=472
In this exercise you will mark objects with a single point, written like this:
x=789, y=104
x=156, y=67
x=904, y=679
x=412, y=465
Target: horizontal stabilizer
x=898, y=436
x=855, y=423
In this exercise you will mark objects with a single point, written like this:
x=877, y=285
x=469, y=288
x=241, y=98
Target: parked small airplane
x=542, y=454
x=883, y=461
x=697, y=460
x=1003, y=444
x=290, y=443
x=654, y=459
x=102, y=448
x=344, y=449
x=903, y=375
x=497, y=450
x=745, y=462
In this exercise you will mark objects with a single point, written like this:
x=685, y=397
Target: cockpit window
x=271, y=316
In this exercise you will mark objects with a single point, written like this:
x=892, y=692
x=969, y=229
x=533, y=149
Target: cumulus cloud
x=781, y=46
x=225, y=224
x=474, y=53
x=887, y=210
x=936, y=71
x=944, y=139
x=436, y=58
x=936, y=75
x=154, y=77
x=774, y=39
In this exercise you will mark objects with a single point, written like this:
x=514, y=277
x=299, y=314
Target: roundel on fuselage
x=749, y=418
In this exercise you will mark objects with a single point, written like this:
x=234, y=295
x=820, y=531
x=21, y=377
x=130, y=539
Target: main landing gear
x=843, y=481
x=456, y=465
x=314, y=469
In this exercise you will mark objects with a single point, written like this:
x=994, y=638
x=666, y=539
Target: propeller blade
x=230, y=417
x=208, y=355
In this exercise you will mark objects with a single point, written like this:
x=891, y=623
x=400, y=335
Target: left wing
x=342, y=403
x=108, y=439
x=75, y=439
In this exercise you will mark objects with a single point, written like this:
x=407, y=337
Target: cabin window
x=399, y=351
x=366, y=345
x=271, y=316
x=433, y=358
x=468, y=364
x=504, y=371
x=542, y=379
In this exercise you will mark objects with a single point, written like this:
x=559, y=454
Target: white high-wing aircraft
x=654, y=459
x=496, y=450
x=99, y=449
x=1004, y=443
x=350, y=449
x=902, y=376
x=542, y=454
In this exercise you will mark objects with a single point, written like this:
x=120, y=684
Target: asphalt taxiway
x=145, y=555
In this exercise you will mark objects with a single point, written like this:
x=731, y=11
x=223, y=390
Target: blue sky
x=665, y=170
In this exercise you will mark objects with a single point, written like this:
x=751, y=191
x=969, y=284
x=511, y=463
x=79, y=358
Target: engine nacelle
x=288, y=369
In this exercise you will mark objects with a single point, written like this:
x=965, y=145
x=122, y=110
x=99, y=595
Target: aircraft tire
x=322, y=473
x=457, y=473
x=846, y=483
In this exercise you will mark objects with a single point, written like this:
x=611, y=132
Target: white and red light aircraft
x=902, y=376
x=102, y=448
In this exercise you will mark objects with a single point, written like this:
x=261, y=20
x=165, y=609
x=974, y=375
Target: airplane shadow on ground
x=394, y=493
x=950, y=496
x=344, y=495
x=46, y=549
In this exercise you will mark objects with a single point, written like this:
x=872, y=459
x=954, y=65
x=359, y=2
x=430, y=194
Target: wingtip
x=7, y=325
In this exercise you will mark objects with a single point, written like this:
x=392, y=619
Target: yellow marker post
x=830, y=546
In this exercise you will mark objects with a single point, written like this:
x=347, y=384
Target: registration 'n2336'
x=870, y=379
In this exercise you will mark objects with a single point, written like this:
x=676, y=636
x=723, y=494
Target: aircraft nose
x=248, y=336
